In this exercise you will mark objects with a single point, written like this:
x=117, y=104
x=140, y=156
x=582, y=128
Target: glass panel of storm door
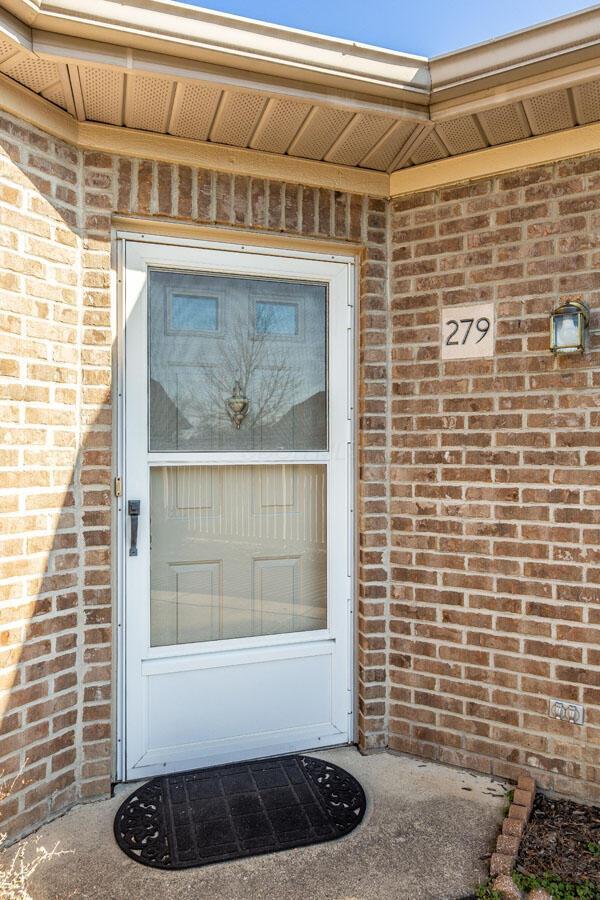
x=236, y=363
x=237, y=551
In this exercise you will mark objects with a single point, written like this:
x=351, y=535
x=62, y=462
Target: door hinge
x=118, y=486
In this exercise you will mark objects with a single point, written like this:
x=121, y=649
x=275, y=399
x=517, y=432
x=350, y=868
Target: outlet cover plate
x=567, y=711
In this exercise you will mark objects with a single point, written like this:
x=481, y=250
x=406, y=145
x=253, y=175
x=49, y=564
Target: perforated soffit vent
x=352, y=132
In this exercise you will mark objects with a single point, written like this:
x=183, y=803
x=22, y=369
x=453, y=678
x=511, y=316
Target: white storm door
x=237, y=502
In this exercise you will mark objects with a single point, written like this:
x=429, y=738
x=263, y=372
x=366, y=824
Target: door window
x=236, y=364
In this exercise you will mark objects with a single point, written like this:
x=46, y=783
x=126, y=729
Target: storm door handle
x=133, y=510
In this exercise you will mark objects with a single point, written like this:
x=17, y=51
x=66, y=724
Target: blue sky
x=426, y=27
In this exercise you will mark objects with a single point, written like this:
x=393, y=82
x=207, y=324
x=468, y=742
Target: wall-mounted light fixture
x=568, y=324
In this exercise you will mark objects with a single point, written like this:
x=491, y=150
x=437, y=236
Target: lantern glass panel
x=566, y=331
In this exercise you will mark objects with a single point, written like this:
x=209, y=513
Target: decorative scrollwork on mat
x=342, y=795
x=140, y=825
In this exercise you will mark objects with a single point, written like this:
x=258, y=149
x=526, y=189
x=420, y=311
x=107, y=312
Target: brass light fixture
x=568, y=324
x=237, y=405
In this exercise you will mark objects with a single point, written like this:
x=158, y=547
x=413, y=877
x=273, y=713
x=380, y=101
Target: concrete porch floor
x=426, y=828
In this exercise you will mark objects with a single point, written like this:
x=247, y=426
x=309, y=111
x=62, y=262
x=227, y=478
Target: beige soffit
x=172, y=69
x=173, y=82
x=497, y=160
x=179, y=29
x=165, y=148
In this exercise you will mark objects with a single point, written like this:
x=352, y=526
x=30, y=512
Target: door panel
x=197, y=597
x=228, y=727
x=237, y=551
x=238, y=449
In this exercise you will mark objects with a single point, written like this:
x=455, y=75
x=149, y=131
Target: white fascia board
x=541, y=48
x=492, y=96
x=181, y=30
x=180, y=40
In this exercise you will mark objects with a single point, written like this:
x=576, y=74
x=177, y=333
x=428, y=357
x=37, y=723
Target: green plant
x=558, y=890
x=593, y=848
x=486, y=892
x=508, y=799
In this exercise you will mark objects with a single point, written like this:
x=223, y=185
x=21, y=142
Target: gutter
x=570, y=39
x=180, y=30
x=208, y=38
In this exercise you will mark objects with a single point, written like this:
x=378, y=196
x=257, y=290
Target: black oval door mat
x=234, y=811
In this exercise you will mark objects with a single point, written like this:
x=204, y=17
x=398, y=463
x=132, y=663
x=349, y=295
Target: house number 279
x=461, y=329
x=467, y=331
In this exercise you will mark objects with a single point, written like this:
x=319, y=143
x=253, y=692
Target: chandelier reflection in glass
x=237, y=405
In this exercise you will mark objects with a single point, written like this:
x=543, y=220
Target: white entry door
x=237, y=504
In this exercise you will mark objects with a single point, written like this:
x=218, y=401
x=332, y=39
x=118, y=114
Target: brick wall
x=479, y=494
x=42, y=552
x=495, y=480
x=56, y=621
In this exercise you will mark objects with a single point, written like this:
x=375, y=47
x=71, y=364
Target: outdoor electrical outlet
x=567, y=712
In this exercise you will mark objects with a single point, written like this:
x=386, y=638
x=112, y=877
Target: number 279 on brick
x=468, y=331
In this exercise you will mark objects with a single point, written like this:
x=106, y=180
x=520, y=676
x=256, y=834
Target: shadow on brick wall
x=55, y=451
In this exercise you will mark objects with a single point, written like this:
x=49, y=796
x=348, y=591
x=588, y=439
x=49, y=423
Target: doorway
x=236, y=512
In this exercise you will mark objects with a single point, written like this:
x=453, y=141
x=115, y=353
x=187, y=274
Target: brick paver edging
x=504, y=858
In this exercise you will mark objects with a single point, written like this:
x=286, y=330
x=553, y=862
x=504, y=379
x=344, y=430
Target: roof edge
x=510, y=56
x=181, y=30
x=209, y=38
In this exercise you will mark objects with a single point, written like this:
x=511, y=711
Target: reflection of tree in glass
x=252, y=359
